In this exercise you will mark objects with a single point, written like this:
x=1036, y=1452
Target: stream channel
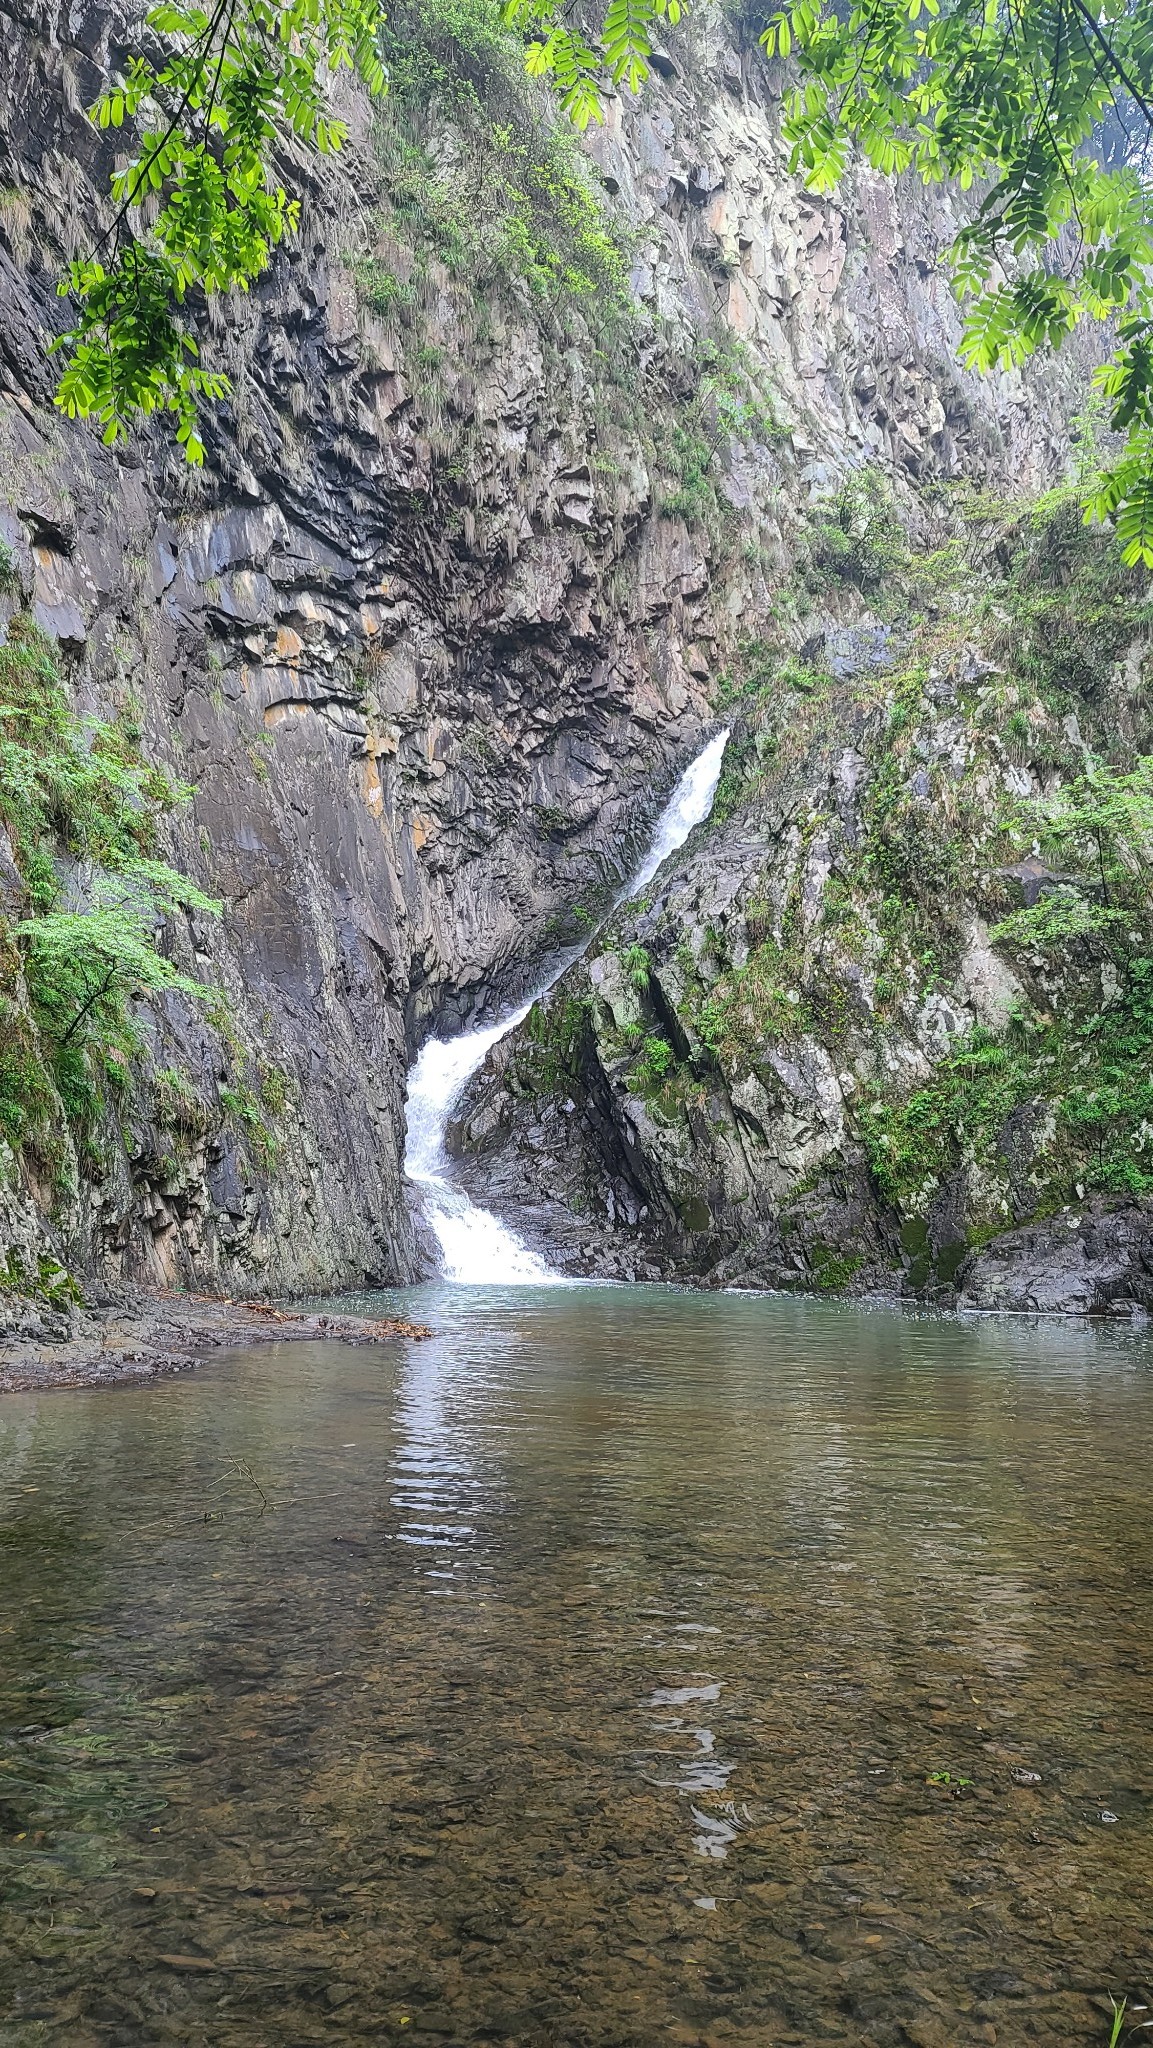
x=620, y=1666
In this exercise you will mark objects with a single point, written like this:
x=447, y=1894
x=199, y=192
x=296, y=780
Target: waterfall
x=475, y=1246
x=689, y=804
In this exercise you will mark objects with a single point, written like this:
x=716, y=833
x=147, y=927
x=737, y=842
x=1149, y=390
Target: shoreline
x=143, y=1336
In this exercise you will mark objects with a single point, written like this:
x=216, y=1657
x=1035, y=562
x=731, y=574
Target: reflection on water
x=620, y=1667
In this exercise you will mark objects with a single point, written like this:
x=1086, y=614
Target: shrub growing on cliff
x=859, y=539
x=1071, y=605
x=655, y=1061
x=80, y=781
x=1103, y=821
x=513, y=197
x=81, y=967
x=1081, y=1067
x=730, y=402
x=912, y=1145
x=77, y=798
x=753, y=1007
x=1085, y=1084
x=379, y=288
x=637, y=965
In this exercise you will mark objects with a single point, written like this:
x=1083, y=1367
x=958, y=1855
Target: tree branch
x=82, y=1012
x=1114, y=61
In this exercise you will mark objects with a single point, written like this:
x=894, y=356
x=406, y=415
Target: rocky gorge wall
x=862, y=1033
x=432, y=632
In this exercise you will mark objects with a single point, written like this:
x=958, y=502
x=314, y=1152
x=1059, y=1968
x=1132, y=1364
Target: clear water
x=474, y=1245
x=575, y=1677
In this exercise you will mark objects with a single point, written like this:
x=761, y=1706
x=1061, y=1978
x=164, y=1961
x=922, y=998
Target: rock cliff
x=432, y=632
x=859, y=1034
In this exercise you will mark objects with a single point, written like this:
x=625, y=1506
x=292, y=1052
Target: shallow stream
x=620, y=1666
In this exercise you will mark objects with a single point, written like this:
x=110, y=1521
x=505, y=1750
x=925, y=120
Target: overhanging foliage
x=1018, y=97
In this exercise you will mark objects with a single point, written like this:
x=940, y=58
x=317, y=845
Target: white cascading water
x=476, y=1248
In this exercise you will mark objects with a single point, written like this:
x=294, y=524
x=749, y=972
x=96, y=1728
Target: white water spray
x=475, y=1246
x=689, y=804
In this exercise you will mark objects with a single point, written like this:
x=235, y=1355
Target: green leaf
x=234, y=82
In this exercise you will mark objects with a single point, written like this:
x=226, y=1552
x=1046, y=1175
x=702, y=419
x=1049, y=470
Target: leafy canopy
x=1047, y=107
x=580, y=63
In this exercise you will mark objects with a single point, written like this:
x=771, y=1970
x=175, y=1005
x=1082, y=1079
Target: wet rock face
x=843, y=298
x=702, y=1171
x=410, y=761
x=427, y=707
x=720, y=1091
x=1099, y=1262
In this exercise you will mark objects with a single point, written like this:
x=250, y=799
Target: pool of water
x=619, y=1667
